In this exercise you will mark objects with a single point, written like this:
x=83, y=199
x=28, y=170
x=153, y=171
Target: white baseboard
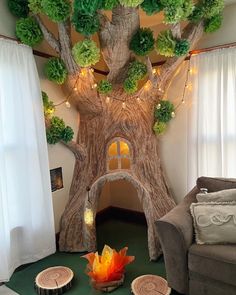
x=4, y=290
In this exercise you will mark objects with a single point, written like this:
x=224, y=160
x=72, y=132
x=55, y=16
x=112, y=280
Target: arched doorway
x=91, y=205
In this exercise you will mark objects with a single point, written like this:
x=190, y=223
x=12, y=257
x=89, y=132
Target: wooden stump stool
x=54, y=280
x=150, y=285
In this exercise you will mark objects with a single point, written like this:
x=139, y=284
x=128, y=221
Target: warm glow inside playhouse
x=118, y=147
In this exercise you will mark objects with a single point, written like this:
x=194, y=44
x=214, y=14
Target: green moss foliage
x=86, y=24
x=55, y=70
x=48, y=105
x=67, y=134
x=109, y=4
x=159, y=128
x=57, y=10
x=28, y=31
x=142, y=42
x=88, y=7
x=176, y=13
x=130, y=3
x=213, y=24
x=175, y=3
x=104, y=87
x=18, y=8
x=137, y=70
x=165, y=43
x=35, y=6
x=197, y=14
x=151, y=6
x=86, y=53
x=187, y=8
x=130, y=86
x=163, y=112
x=212, y=7
x=182, y=47
x=58, y=131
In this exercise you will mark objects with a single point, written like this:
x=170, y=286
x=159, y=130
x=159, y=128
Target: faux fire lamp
x=107, y=271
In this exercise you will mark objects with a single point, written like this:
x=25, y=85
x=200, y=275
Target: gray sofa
x=196, y=269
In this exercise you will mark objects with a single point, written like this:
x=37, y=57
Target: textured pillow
x=228, y=195
x=214, y=223
x=216, y=184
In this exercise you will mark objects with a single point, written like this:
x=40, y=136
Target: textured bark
x=134, y=123
x=114, y=39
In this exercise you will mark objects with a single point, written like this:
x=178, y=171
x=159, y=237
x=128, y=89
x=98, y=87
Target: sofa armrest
x=175, y=231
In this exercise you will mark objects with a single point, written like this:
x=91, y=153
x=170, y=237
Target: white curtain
x=212, y=115
x=26, y=214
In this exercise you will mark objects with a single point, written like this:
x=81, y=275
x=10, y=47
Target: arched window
x=119, y=155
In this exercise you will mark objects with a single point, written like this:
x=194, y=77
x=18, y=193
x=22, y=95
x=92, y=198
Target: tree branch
x=49, y=37
x=65, y=48
x=77, y=149
x=192, y=33
x=176, y=30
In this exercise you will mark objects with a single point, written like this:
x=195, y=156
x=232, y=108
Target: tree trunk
x=133, y=124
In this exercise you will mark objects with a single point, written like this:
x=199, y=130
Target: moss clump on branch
x=88, y=7
x=130, y=3
x=182, y=47
x=58, y=131
x=174, y=3
x=55, y=70
x=142, y=42
x=175, y=13
x=213, y=24
x=48, y=105
x=18, y=8
x=137, y=71
x=35, y=6
x=197, y=14
x=130, y=86
x=57, y=10
x=28, y=31
x=86, y=24
x=212, y=7
x=163, y=111
x=109, y=4
x=104, y=87
x=159, y=128
x=151, y=6
x=165, y=43
x=86, y=53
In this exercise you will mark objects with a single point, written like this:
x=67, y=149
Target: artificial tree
x=131, y=110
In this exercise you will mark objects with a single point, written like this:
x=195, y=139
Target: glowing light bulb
x=172, y=114
x=147, y=85
x=67, y=104
x=88, y=216
x=183, y=101
x=138, y=99
x=154, y=71
x=94, y=86
x=123, y=105
x=83, y=72
x=108, y=99
x=158, y=106
x=92, y=70
x=75, y=88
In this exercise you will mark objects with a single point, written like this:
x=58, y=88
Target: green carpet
x=116, y=234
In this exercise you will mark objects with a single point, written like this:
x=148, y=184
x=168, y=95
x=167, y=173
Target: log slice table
x=54, y=280
x=150, y=285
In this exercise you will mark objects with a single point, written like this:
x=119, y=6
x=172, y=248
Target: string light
x=173, y=115
x=154, y=71
x=94, y=86
x=108, y=99
x=138, y=99
x=123, y=105
x=75, y=88
x=68, y=104
x=83, y=72
x=158, y=106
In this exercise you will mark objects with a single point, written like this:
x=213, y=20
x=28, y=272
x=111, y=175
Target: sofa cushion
x=214, y=261
x=216, y=184
x=227, y=195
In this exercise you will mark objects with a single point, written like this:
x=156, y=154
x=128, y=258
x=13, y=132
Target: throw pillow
x=214, y=223
x=216, y=184
x=228, y=195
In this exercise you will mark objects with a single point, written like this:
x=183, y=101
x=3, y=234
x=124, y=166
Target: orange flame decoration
x=110, y=266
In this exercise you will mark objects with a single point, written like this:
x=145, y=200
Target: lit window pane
x=113, y=149
x=113, y=164
x=125, y=163
x=124, y=148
